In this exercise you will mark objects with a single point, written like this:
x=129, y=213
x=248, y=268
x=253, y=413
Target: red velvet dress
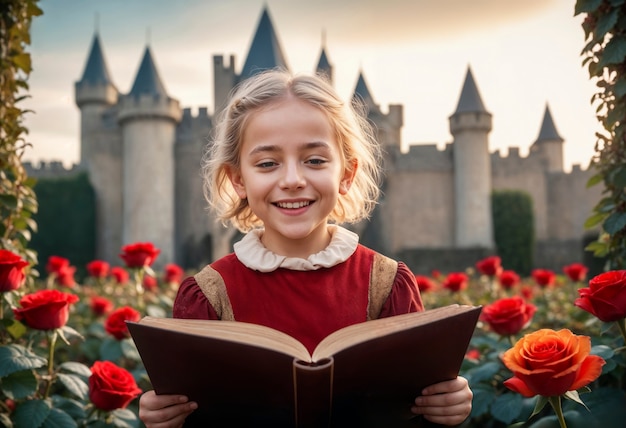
x=307, y=305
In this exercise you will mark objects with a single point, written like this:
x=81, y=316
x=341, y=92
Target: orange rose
x=550, y=363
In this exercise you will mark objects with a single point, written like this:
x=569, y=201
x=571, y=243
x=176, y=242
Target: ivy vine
x=604, y=55
x=17, y=199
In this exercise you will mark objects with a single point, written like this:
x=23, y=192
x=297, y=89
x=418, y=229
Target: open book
x=366, y=374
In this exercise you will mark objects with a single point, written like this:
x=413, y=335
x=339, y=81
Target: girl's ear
x=236, y=179
x=348, y=176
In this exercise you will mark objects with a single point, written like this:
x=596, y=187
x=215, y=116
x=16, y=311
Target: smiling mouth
x=293, y=205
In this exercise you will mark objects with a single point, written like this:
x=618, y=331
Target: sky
x=524, y=56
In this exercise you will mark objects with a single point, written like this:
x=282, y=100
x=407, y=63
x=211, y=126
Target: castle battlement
x=149, y=105
x=191, y=125
x=99, y=93
x=50, y=169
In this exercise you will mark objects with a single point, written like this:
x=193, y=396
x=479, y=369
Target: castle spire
x=362, y=94
x=548, y=131
x=470, y=100
x=323, y=65
x=265, y=52
x=96, y=71
x=147, y=81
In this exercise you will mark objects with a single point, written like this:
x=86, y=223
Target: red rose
x=101, y=305
x=473, y=354
x=508, y=316
x=111, y=387
x=490, y=266
x=65, y=276
x=173, y=273
x=543, y=277
x=456, y=281
x=45, y=309
x=576, y=271
x=11, y=271
x=508, y=279
x=527, y=292
x=550, y=363
x=98, y=268
x=120, y=274
x=56, y=263
x=606, y=296
x=115, y=324
x=139, y=254
x=150, y=283
x=424, y=283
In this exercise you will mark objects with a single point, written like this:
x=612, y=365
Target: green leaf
x=129, y=350
x=59, y=419
x=72, y=407
x=506, y=408
x=9, y=201
x=15, y=328
x=603, y=351
x=484, y=372
x=594, y=220
x=605, y=24
x=31, y=414
x=111, y=350
x=76, y=368
x=614, y=223
x=15, y=358
x=482, y=400
x=541, y=403
x=5, y=421
x=586, y=6
x=124, y=418
x=614, y=51
x=595, y=179
x=618, y=177
x=19, y=385
x=75, y=385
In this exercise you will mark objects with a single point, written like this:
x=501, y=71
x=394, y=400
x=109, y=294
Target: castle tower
x=324, y=67
x=148, y=118
x=100, y=148
x=470, y=126
x=549, y=144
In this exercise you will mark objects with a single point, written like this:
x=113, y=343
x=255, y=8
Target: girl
x=290, y=162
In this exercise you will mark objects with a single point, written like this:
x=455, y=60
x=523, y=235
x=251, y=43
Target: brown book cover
x=366, y=374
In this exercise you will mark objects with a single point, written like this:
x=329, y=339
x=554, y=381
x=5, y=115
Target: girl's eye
x=316, y=161
x=267, y=164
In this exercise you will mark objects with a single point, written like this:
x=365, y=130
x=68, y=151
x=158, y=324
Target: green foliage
x=604, y=55
x=514, y=234
x=66, y=219
x=17, y=200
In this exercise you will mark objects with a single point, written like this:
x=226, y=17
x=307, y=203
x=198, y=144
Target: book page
x=358, y=333
x=236, y=331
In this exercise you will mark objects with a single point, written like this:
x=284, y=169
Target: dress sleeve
x=191, y=303
x=405, y=295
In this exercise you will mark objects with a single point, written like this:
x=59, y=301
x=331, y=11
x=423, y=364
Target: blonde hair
x=353, y=134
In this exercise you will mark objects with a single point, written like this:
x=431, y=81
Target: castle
x=142, y=153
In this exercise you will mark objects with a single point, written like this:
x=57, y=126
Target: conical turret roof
x=363, y=94
x=323, y=65
x=470, y=100
x=96, y=71
x=548, y=131
x=265, y=52
x=147, y=81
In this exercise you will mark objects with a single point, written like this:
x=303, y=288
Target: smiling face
x=292, y=173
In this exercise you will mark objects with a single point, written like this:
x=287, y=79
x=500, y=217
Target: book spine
x=313, y=386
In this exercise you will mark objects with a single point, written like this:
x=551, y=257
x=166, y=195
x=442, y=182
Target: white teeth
x=292, y=205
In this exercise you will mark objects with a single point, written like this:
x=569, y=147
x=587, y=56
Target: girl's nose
x=293, y=177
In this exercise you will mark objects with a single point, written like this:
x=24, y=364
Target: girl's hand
x=447, y=403
x=164, y=411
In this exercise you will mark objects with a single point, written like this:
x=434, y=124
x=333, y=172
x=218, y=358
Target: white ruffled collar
x=253, y=254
